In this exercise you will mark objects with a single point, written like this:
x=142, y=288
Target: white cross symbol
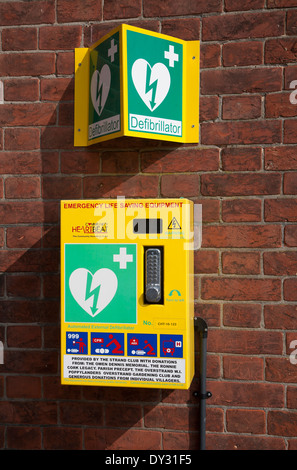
x=123, y=258
x=112, y=51
x=171, y=56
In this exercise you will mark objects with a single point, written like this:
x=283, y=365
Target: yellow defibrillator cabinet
x=127, y=309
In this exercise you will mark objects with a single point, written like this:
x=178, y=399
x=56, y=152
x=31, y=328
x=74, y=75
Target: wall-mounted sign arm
x=138, y=83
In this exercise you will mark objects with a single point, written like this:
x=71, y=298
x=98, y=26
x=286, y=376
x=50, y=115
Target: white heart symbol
x=100, y=85
x=93, y=292
x=152, y=83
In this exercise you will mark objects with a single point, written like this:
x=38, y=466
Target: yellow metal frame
x=190, y=115
x=176, y=315
x=81, y=96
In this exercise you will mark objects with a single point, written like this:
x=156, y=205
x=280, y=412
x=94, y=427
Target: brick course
x=243, y=172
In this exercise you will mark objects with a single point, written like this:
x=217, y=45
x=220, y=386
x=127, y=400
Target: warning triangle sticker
x=174, y=225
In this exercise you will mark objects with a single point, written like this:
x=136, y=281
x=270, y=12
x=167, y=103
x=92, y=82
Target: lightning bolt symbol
x=99, y=96
x=90, y=293
x=151, y=86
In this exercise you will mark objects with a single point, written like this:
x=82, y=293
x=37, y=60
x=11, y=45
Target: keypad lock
x=153, y=267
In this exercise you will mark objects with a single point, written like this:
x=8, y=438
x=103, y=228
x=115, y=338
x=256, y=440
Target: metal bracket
x=201, y=326
x=202, y=396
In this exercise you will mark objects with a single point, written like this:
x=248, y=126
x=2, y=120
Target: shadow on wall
x=112, y=418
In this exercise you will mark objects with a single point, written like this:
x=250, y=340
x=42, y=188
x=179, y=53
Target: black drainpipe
x=201, y=326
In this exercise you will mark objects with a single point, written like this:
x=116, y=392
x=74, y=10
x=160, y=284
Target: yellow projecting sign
x=127, y=309
x=138, y=83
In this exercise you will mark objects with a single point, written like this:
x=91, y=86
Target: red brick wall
x=243, y=173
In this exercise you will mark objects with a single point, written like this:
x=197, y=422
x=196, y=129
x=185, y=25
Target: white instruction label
x=124, y=368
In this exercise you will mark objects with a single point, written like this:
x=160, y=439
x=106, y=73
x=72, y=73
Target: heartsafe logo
x=91, y=227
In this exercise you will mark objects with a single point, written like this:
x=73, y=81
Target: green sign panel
x=98, y=280
x=155, y=84
x=104, y=99
x=137, y=83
